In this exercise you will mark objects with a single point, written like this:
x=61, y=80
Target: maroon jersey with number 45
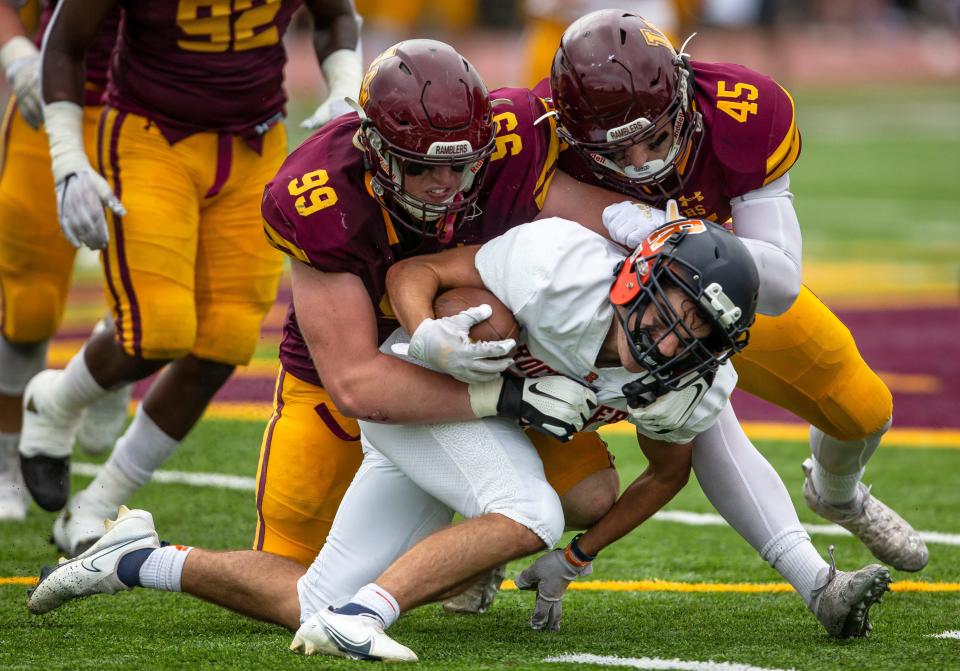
x=320, y=208
x=202, y=65
x=750, y=138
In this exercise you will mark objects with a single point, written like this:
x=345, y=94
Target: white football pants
x=746, y=490
x=412, y=480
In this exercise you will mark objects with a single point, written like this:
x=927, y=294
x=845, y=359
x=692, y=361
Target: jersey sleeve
x=318, y=216
x=752, y=122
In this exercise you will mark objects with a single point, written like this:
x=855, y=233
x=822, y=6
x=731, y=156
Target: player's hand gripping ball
x=500, y=326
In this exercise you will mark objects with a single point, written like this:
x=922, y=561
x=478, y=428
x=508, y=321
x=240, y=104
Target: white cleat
x=79, y=525
x=95, y=571
x=888, y=536
x=46, y=441
x=103, y=421
x=350, y=636
x=842, y=600
x=478, y=598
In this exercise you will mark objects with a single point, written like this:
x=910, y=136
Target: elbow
x=777, y=297
x=348, y=398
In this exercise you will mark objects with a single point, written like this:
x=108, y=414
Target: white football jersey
x=555, y=276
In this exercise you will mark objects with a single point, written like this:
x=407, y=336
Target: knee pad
x=782, y=543
x=229, y=333
x=538, y=509
x=32, y=312
x=19, y=363
x=158, y=330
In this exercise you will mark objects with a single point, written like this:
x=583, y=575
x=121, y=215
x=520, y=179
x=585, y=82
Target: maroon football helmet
x=425, y=106
x=617, y=81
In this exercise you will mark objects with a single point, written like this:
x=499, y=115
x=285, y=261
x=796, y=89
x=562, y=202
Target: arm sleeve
x=764, y=219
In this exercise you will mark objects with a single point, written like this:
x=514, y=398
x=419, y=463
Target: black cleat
x=47, y=480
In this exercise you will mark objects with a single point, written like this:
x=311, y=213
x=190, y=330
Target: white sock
x=76, y=388
x=109, y=490
x=141, y=450
x=380, y=601
x=9, y=457
x=164, y=567
x=792, y=554
x=838, y=490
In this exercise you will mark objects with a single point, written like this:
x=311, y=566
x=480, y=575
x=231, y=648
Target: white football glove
x=81, y=192
x=20, y=60
x=445, y=344
x=629, y=223
x=550, y=575
x=664, y=419
x=344, y=73
x=553, y=404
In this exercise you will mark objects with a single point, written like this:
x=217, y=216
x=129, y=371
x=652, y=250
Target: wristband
x=575, y=555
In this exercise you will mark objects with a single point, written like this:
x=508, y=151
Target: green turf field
x=876, y=186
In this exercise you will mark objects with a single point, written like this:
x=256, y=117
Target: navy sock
x=356, y=609
x=128, y=570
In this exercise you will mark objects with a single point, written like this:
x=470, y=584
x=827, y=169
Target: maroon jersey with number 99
x=320, y=208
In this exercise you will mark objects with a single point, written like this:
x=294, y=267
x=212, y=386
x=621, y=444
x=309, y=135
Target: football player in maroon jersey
x=36, y=261
x=189, y=135
x=720, y=139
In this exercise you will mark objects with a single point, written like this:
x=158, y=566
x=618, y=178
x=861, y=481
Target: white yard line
x=712, y=519
x=946, y=634
x=655, y=663
x=183, y=478
x=678, y=516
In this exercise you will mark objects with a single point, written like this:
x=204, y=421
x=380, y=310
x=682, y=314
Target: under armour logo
x=695, y=198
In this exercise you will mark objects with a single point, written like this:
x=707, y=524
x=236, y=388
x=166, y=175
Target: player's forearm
x=336, y=26
x=412, y=286
x=71, y=31
x=10, y=25
x=644, y=497
x=389, y=390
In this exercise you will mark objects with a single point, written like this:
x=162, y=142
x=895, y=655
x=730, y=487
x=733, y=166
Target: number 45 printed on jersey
x=737, y=101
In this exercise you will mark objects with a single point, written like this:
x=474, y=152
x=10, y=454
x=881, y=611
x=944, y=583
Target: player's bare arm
x=72, y=31
x=339, y=326
x=336, y=40
x=81, y=191
x=666, y=473
x=569, y=198
x=334, y=26
x=413, y=283
x=20, y=61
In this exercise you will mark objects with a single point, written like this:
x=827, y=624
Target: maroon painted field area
x=924, y=342
x=904, y=342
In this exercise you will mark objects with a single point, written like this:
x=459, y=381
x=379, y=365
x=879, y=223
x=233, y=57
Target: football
x=501, y=324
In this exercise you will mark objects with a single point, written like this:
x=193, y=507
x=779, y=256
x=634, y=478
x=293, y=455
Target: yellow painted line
x=912, y=437
x=737, y=587
x=666, y=586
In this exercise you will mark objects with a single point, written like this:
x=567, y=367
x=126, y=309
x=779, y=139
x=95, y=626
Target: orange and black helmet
x=715, y=272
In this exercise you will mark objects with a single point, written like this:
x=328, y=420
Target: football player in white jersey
x=650, y=348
